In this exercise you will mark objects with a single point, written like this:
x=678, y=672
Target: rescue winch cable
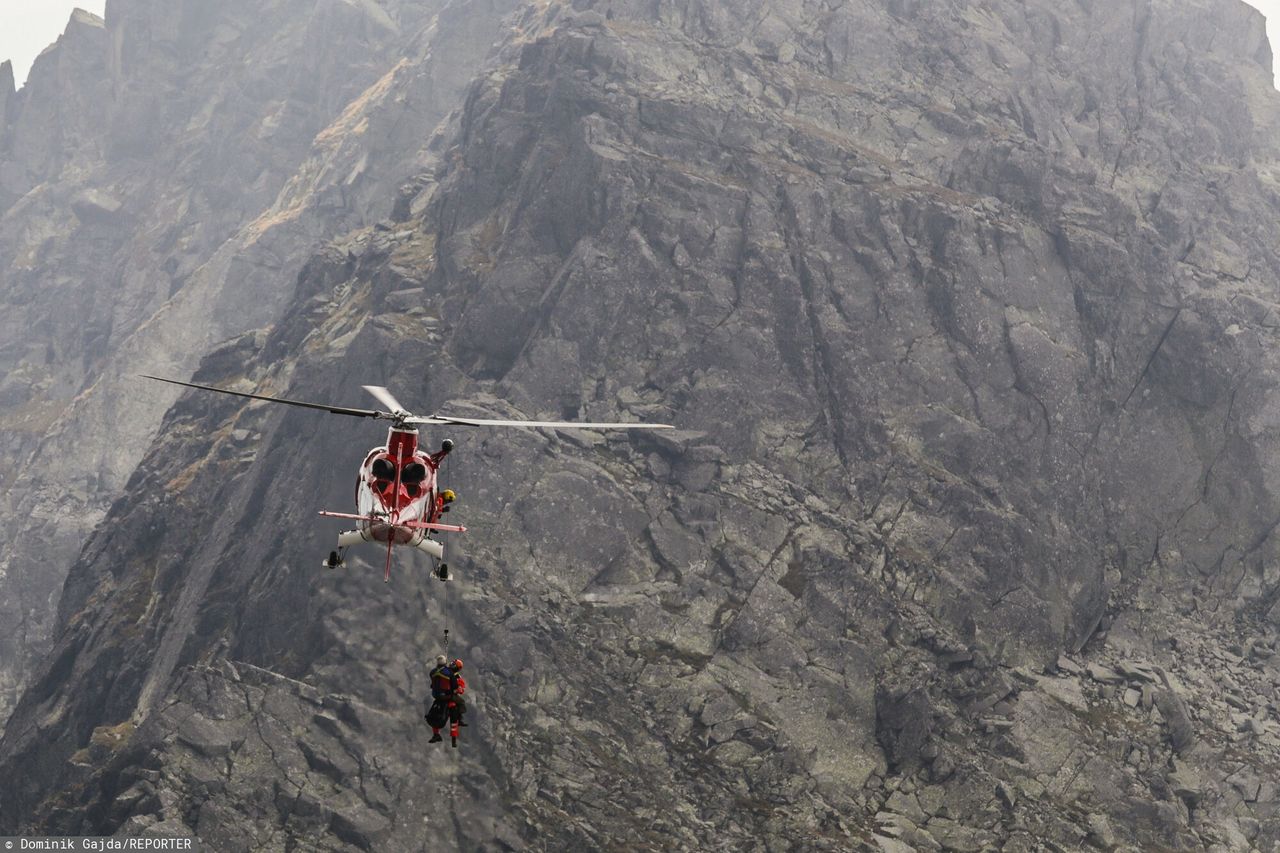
x=445, y=603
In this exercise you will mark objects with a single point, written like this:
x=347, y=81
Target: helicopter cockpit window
x=383, y=469
x=413, y=473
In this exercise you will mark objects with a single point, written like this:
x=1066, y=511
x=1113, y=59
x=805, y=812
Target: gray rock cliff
x=163, y=177
x=965, y=312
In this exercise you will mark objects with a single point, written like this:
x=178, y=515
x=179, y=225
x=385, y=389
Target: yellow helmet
x=448, y=496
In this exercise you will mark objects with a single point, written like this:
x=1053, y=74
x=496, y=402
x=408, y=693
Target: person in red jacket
x=459, y=705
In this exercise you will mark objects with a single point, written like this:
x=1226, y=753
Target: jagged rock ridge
x=163, y=177
x=966, y=313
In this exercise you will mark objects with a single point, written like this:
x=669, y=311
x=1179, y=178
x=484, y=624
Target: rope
x=453, y=765
x=445, y=602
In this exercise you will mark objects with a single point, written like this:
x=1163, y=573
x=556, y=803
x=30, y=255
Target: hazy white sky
x=29, y=26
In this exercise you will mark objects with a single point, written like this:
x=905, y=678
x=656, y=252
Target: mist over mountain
x=163, y=178
x=965, y=313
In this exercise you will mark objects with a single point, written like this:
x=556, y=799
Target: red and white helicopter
x=398, y=499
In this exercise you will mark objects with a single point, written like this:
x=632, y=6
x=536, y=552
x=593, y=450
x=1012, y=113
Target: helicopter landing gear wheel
x=442, y=572
x=334, y=560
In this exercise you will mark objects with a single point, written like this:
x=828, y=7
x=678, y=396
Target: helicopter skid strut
x=347, y=538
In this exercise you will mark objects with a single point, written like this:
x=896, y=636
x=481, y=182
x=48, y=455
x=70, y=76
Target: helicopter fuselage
x=398, y=500
x=396, y=482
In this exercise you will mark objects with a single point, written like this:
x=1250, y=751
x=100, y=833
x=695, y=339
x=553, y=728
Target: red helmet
x=457, y=664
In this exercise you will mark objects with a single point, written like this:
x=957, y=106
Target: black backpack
x=438, y=715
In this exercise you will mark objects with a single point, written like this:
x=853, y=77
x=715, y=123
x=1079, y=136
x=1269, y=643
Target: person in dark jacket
x=441, y=679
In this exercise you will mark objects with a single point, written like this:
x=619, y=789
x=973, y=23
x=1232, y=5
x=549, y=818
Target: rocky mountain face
x=967, y=315
x=163, y=177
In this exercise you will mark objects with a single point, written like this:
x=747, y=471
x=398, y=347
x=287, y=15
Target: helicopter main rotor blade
x=449, y=419
x=336, y=410
x=386, y=398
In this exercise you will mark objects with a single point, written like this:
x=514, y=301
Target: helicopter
x=398, y=499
